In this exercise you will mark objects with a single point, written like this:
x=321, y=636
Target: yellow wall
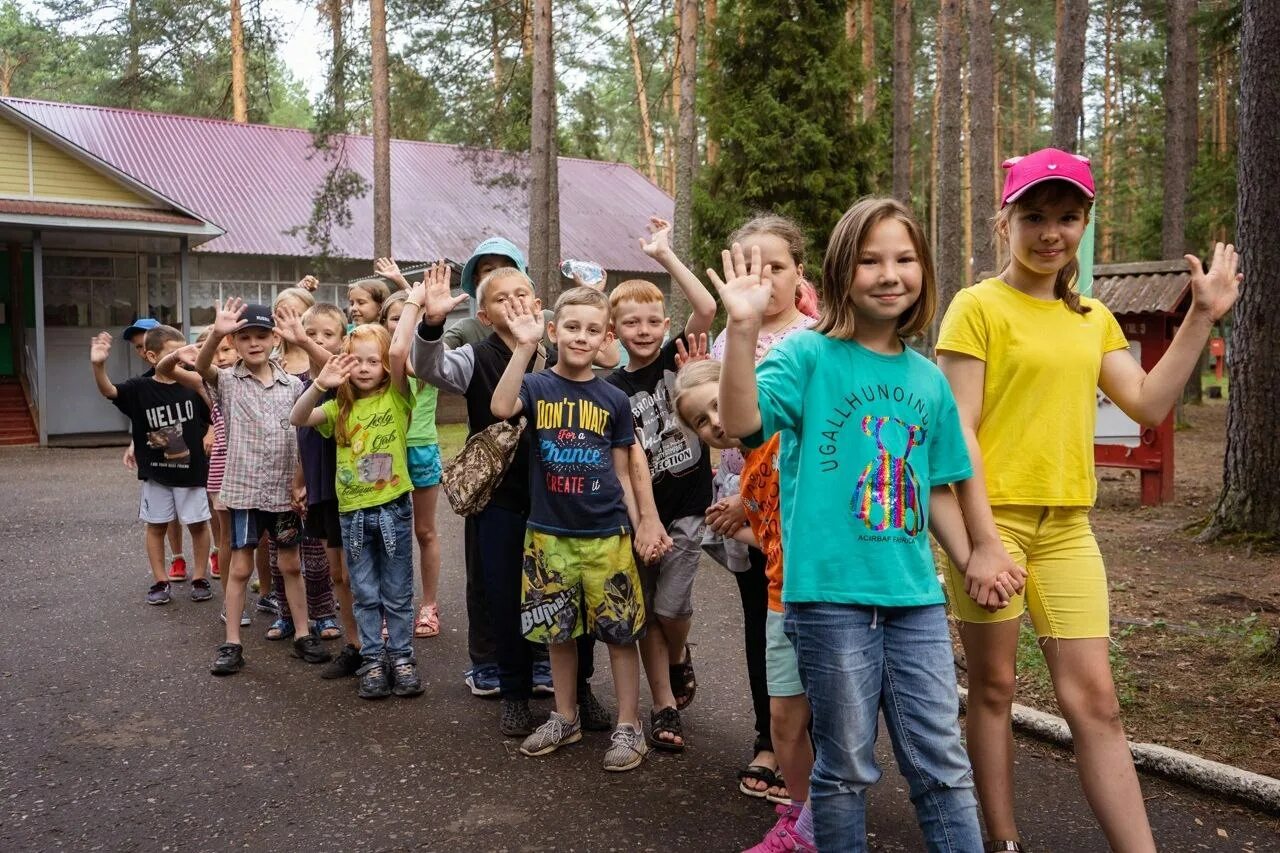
x=56, y=175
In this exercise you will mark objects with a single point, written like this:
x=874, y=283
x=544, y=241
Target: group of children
x=838, y=448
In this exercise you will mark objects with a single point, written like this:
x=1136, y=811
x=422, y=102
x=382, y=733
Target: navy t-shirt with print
x=169, y=423
x=678, y=462
x=573, y=427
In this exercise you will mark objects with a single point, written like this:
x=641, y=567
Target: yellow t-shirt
x=1039, y=399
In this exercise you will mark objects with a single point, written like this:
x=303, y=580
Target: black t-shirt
x=169, y=423
x=573, y=485
x=679, y=462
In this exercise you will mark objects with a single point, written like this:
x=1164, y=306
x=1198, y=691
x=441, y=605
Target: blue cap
x=142, y=324
x=492, y=246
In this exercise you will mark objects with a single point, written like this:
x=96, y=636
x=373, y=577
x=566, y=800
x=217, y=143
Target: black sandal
x=684, y=684
x=760, y=773
x=666, y=722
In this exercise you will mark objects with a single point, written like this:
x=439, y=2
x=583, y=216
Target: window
x=90, y=291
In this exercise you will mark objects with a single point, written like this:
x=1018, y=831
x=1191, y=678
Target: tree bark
x=710, y=14
x=902, y=100
x=1068, y=73
x=1250, y=500
x=1106, y=227
x=239, y=86
x=981, y=134
x=338, y=71
x=1177, y=130
x=642, y=95
x=868, y=60
x=686, y=150
x=544, y=213
x=381, y=86
x=950, y=245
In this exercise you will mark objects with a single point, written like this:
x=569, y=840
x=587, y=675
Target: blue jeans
x=379, y=544
x=854, y=663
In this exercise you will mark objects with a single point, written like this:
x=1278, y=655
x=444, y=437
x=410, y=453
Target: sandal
x=281, y=629
x=998, y=846
x=428, y=624
x=666, y=722
x=781, y=785
x=683, y=682
x=327, y=628
x=760, y=773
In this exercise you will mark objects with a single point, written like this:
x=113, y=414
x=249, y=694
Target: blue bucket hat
x=491, y=246
x=143, y=324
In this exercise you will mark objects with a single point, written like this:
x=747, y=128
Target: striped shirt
x=218, y=458
x=262, y=447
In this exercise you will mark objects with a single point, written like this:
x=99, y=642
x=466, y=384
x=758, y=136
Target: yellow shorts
x=1066, y=589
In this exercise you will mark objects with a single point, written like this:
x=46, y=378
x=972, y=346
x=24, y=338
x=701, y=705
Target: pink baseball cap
x=1047, y=164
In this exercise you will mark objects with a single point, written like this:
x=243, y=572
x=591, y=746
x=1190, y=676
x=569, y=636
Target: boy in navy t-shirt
x=579, y=573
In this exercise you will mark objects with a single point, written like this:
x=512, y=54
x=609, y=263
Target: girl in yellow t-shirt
x=1024, y=353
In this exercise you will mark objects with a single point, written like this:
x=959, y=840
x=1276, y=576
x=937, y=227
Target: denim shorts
x=425, y=468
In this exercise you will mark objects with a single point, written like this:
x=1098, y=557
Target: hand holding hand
x=100, y=348
x=727, y=515
x=697, y=350
x=336, y=371
x=228, y=316
x=746, y=286
x=991, y=577
x=1216, y=291
x=651, y=540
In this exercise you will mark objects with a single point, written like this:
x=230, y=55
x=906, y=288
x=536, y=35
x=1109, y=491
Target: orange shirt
x=760, y=499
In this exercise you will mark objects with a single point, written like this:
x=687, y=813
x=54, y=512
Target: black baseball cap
x=256, y=316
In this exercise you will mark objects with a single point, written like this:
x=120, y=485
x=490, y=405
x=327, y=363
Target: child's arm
x=745, y=293
x=305, y=410
x=946, y=523
x=298, y=491
x=390, y=270
x=436, y=276
x=224, y=323
x=702, y=305
x=647, y=524
x=526, y=326
x=174, y=368
x=289, y=326
x=1148, y=397
x=433, y=360
x=99, y=351
x=746, y=536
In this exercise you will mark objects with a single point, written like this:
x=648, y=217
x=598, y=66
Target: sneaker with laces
x=783, y=837
x=268, y=604
x=245, y=618
x=627, y=748
x=405, y=679
x=230, y=659
x=346, y=664
x=595, y=717
x=200, y=590
x=374, y=683
x=542, y=685
x=214, y=571
x=483, y=680
x=310, y=649
x=159, y=593
x=551, y=735
x=517, y=719
x=178, y=569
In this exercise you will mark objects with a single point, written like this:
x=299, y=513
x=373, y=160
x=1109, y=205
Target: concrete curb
x=1260, y=792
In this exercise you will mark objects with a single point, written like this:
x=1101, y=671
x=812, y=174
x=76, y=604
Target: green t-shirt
x=868, y=435
x=372, y=468
x=422, y=428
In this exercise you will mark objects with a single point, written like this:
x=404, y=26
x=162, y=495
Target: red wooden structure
x=1149, y=300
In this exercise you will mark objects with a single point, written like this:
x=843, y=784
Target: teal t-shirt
x=867, y=436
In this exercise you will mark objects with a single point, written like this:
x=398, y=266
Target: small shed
x=1149, y=300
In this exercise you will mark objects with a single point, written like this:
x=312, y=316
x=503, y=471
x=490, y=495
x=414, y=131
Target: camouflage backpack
x=470, y=478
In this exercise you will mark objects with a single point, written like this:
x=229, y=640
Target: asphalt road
x=115, y=736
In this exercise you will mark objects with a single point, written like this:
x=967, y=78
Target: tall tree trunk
x=709, y=36
x=495, y=47
x=686, y=149
x=1250, y=500
x=1068, y=73
x=642, y=95
x=239, y=86
x=981, y=133
x=903, y=90
x=544, y=213
x=935, y=150
x=950, y=245
x=133, y=68
x=381, y=130
x=1177, y=127
x=1105, y=218
x=526, y=30
x=966, y=179
x=338, y=71
x=868, y=60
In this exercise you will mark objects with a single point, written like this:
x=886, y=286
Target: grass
x=1033, y=672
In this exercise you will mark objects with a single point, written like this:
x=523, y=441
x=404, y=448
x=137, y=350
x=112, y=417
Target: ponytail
x=1064, y=287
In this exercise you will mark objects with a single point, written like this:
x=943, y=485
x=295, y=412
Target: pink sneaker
x=783, y=837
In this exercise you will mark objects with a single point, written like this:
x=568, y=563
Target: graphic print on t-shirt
x=165, y=431
x=573, y=456
x=672, y=447
x=888, y=491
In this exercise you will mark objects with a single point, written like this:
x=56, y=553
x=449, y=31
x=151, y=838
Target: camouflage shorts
x=574, y=585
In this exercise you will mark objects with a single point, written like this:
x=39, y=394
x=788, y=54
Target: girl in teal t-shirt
x=874, y=438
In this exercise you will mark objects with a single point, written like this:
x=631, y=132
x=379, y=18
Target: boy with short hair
x=256, y=396
x=579, y=574
x=680, y=469
x=168, y=425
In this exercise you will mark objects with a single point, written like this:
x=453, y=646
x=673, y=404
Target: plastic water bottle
x=592, y=274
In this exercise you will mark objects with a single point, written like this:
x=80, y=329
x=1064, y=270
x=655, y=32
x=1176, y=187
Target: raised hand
x=1216, y=291
x=438, y=300
x=390, y=270
x=289, y=324
x=336, y=371
x=525, y=323
x=309, y=283
x=100, y=348
x=186, y=355
x=746, y=287
x=418, y=291
x=697, y=350
x=228, y=316
x=658, y=245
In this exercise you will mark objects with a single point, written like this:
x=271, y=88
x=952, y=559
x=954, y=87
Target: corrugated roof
x=1141, y=287
x=258, y=182
x=94, y=211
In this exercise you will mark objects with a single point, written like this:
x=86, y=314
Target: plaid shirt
x=262, y=446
